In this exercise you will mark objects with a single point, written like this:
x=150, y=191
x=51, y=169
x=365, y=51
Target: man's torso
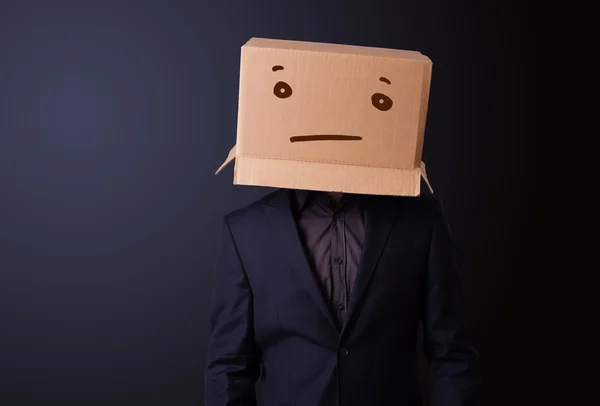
x=308, y=354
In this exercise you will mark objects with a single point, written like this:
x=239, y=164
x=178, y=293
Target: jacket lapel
x=381, y=215
x=283, y=225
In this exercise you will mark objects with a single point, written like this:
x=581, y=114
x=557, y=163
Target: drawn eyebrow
x=386, y=80
x=277, y=67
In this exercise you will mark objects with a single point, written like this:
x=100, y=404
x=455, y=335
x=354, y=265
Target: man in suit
x=318, y=301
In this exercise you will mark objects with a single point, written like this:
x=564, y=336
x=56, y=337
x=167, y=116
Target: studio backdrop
x=114, y=116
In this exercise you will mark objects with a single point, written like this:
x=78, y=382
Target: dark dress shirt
x=333, y=235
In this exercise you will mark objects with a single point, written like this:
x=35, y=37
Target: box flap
x=229, y=158
x=424, y=175
x=326, y=177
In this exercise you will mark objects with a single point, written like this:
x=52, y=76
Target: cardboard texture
x=330, y=117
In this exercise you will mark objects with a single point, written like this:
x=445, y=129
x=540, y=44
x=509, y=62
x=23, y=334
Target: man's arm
x=233, y=365
x=454, y=377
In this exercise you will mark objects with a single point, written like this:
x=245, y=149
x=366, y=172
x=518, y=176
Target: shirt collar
x=301, y=197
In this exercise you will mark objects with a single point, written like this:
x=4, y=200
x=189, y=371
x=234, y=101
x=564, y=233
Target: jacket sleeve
x=454, y=371
x=233, y=365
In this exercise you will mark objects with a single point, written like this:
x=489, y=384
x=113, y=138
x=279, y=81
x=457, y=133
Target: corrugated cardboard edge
x=423, y=110
x=332, y=48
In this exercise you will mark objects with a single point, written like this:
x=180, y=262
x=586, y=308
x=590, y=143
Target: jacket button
x=344, y=352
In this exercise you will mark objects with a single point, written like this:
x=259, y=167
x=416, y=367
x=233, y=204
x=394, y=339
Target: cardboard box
x=330, y=117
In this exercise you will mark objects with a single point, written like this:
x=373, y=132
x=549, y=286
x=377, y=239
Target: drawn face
x=331, y=108
x=380, y=101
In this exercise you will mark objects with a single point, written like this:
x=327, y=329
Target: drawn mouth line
x=325, y=137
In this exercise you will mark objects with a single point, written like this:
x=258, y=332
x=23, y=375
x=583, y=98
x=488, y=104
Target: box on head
x=330, y=117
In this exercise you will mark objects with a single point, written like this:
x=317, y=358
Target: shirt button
x=338, y=260
x=344, y=352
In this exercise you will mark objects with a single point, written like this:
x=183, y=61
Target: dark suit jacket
x=270, y=324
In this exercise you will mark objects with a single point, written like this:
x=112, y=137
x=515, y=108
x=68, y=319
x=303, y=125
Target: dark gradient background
x=114, y=116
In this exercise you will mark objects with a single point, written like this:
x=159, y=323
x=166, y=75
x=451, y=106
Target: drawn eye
x=282, y=90
x=381, y=101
